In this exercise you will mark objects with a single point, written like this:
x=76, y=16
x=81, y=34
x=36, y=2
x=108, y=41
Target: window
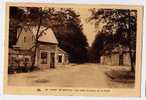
x=44, y=57
x=60, y=58
x=24, y=39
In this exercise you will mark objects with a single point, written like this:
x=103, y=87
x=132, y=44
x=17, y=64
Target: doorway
x=52, y=60
x=121, y=59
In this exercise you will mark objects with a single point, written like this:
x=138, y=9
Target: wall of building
x=26, y=39
x=48, y=48
x=19, y=58
x=114, y=59
x=127, y=59
x=64, y=56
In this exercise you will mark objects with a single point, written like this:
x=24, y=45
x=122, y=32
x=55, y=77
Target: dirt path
x=84, y=75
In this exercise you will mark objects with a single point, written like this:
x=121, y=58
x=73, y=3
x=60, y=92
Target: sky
x=88, y=28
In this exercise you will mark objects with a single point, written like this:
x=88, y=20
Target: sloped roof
x=59, y=49
x=46, y=36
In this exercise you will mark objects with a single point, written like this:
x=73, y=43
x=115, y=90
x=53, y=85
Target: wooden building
x=62, y=57
x=118, y=56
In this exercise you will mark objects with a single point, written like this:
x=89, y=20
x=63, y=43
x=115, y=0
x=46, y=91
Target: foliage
x=70, y=35
x=118, y=28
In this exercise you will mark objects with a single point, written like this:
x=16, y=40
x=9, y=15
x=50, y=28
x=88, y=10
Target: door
x=59, y=58
x=121, y=59
x=52, y=60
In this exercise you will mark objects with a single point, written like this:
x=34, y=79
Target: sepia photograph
x=73, y=46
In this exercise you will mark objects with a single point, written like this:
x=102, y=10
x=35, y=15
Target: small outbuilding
x=117, y=56
x=62, y=57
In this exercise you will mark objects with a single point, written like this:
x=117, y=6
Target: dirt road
x=72, y=75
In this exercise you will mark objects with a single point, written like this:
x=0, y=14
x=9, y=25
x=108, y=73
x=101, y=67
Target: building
x=117, y=56
x=47, y=53
x=62, y=57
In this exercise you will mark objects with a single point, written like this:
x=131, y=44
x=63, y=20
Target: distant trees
x=118, y=28
x=98, y=45
x=70, y=35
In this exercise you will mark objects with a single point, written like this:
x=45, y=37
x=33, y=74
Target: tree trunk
x=36, y=42
x=34, y=56
x=132, y=61
x=131, y=45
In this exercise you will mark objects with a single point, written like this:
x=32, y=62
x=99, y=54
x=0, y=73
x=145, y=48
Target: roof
x=46, y=36
x=59, y=49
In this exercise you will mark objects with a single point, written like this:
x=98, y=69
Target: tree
x=70, y=35
x=119, y=28
x=38, y=17
x=97, y=48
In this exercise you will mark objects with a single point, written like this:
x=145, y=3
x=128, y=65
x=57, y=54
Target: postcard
x=73, y=49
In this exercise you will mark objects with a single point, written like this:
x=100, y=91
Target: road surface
x=82, y=76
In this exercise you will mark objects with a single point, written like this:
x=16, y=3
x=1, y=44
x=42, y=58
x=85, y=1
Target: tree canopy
x=69, y=33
